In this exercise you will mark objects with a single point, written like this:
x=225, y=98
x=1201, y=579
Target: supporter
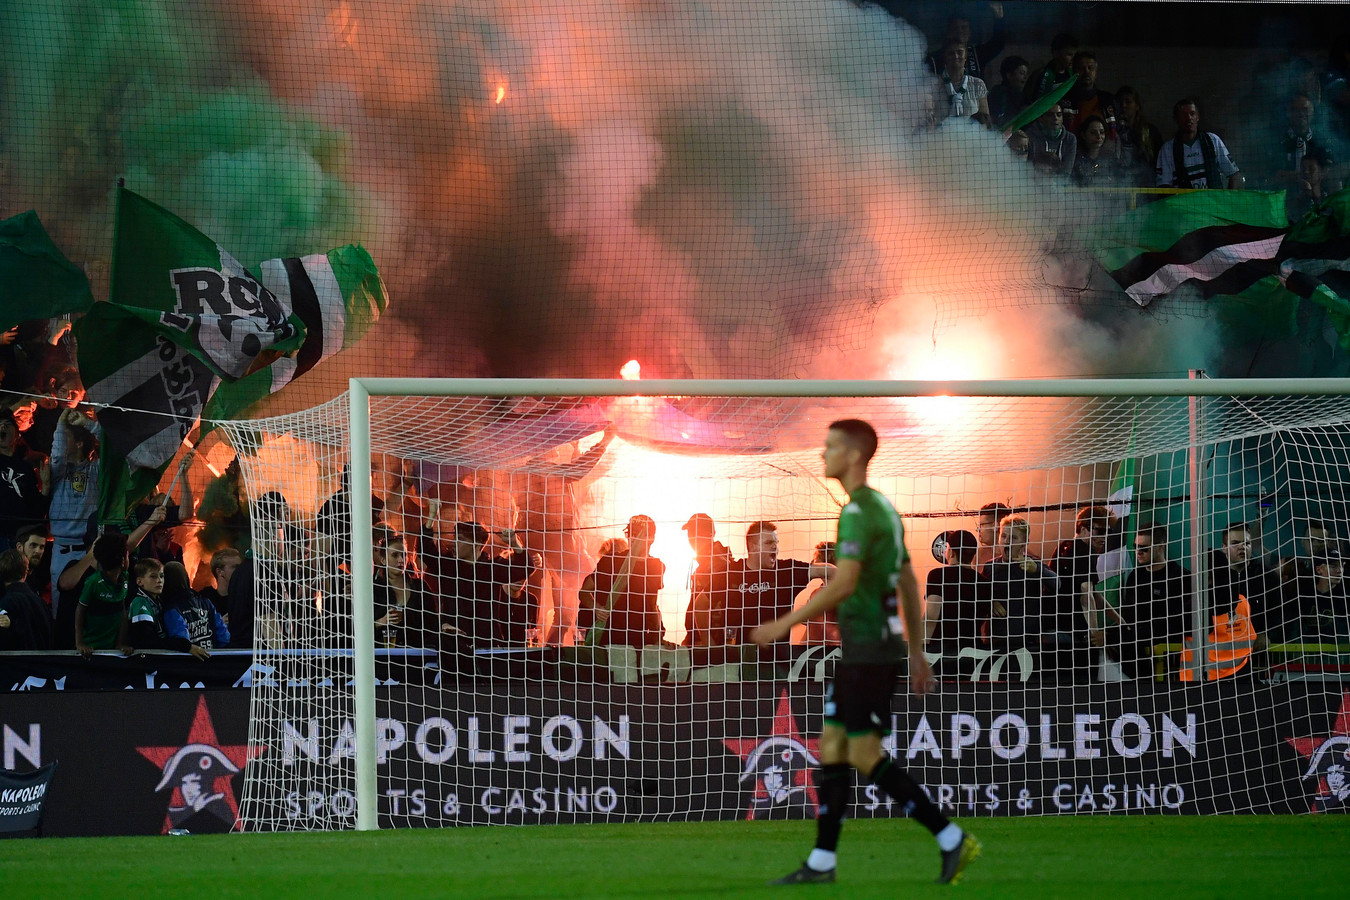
x=463, y=584
x=1057, y=71
x=763, y=587
x=224, y=563
x=224, y=513
x=1309, y=193
x=1020, y=145
x=1096, y=164
x=1194, y=158
x=74, y=504
x=1302, y=598
x=712, y=559
x=1235, y=573
x=23, y=499
x=615, y=550
x=32, y=542
x=956, y=605
x=62, y=392
x=403, y=598
x=333, y=526
x=959, y=95
x=145, y=629
x=1020, y=586
x=515, y=607
x=100, y=619
x=1323, y=601
x=1155, y=603
x=1295, y=143
x=1075, y=623
x=1139, y=141
x=162, y=545
x=1317, y=538
x=622, y=591
x=188, y=615
x=1007, y=100
x=29, y=349
x=1084, y=100
x=824, y=629
x=1053, y=147
x=24, y=622
x=977, y=55
x=71, y=582
x=280, y=568
x=986, y=532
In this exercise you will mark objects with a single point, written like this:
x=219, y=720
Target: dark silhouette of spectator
x=1056, y=71
x=1235, y=572
x=957, y=604
x=24, y=621
x=986, y=532
x=1074, y=623
x=224, y=563
x=1053, y=147
x=622, y=591
x=22, y=498
x=977, y=55
x=712, y=559
x=515, y=608
x=1324, y=603
x=1155, y=604
x=824, y=629
x=1084, y=100
x=1020, y=588
x=1139, y=141
x=188, y=615
x=100, y=619
x=1194, y=158
x=1008, y=98
x=1309, y=193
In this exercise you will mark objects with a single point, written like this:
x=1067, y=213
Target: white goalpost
x=512, y=601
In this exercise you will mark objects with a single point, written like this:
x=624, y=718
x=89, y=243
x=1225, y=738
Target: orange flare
x=631, y=371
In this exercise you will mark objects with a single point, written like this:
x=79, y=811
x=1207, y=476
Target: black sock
x=832, y=803
x=904, y=790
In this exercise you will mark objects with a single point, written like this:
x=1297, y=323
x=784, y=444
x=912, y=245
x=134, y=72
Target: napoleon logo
x=1329, y=762
x=236, y=316
x=199, y=776
x=779, y=767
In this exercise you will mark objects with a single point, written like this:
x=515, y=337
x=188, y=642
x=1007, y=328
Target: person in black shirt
x=23, y=500
x=24, y=621
x=1155, y=603
x=622, y=591
x=187, y=614
x=1236, y=574
x=1020, y=586
x=957, y=603
x=713, y=559
x=763, y=587
x=1074, y=623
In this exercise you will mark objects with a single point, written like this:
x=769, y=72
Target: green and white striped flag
x=337, y=295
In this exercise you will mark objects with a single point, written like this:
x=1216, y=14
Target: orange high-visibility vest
x=1230, y=644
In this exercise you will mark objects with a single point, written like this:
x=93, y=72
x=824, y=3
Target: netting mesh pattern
x=565, y=590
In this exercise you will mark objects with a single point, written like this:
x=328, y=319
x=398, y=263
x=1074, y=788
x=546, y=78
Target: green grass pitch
x=1234, y=856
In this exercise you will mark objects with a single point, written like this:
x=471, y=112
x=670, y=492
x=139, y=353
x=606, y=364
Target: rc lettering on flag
x=189, y=288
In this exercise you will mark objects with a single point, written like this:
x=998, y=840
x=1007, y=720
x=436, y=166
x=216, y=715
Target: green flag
x=338, y=295
x=36, y=279
x=1039, y=106
x=190, y=289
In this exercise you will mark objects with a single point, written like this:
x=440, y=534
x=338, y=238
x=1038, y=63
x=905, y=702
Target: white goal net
x=1133, y=602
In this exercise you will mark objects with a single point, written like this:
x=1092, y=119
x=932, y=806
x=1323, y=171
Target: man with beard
x=1083, y=101
x=1155, y=603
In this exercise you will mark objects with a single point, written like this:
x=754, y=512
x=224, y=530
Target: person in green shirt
x=100, y=619
x=873, y=587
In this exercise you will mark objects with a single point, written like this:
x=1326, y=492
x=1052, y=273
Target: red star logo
x=1307, y=746
x=784, y=727
x=204, y=732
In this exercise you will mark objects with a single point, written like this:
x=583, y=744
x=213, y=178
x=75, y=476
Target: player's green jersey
x=870, y=532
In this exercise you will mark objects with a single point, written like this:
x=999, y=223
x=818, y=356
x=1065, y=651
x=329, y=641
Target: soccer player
x=871, y=565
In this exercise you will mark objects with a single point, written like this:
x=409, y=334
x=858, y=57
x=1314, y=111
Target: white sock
x=949, y=838
x=820, y=860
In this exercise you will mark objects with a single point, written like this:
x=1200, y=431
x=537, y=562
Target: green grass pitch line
x=1154, y=857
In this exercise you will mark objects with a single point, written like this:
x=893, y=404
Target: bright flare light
x=631, y=370
x=501, y=93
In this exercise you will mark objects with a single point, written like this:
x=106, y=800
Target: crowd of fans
x=1100, y=138
x=499, y=561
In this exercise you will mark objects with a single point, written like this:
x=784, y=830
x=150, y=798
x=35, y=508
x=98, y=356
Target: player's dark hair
x=758, y=528
x=13, y=566
x=110, y=551
x=144, y=567
x=860, y=435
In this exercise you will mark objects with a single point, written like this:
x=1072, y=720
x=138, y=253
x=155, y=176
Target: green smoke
x=96, y=90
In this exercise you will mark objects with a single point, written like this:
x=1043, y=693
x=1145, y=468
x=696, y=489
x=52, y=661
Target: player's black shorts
x=859, y=698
